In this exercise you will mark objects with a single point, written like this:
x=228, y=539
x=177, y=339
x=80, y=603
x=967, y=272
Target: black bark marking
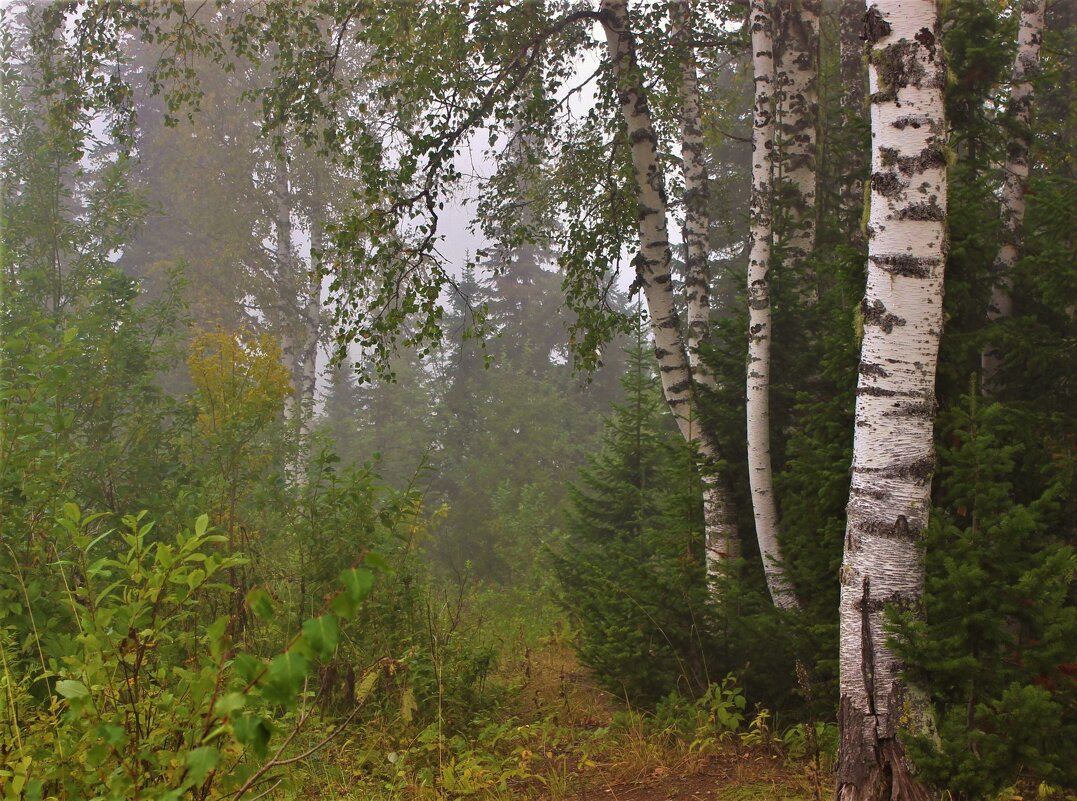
x=902, y=602
x=930, y=156
x=875, y=27
x=877, y=392
x=876, y=314
x=920, y=470
x=928, y=211
x=905, y=265
x=927, y=40
x=886, y=184
x=868, y=492
x=867, y=650
x=920, y=409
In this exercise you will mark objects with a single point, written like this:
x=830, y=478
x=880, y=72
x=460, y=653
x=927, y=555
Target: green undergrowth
x=551, y=732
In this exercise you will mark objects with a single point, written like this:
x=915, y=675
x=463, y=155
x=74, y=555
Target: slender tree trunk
x=760, y=473
x=716, y=504
x=312, y=319
x=796, y=50
x=851, y=72
x=653, y=266
x=1025, y=67
x=291, y=350
x=893, y=449
x=696, y=206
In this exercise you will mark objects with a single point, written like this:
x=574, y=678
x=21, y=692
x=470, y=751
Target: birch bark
x=893, y=453
x=297, y=300
x=284, y=256
x=796, y=50
x=1025, y=67
x=716, y=503
x=760, y=472
x=696, y=206
x=654, y=274
x=851, y=71
x=312, y=319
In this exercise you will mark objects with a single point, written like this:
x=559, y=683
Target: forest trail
x=723, y=777
x=643, y=770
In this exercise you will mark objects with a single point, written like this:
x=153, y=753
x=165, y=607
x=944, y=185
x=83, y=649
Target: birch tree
x=796, y=68
x=893, y=451
x=1026, y=66
x=720, y=536
x=760, y=471
x=291, y=296
x=389, y=123
x=653, y=270
x=851, y=73
x=696, y=211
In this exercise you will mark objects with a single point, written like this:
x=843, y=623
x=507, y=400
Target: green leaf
x=229, y=703
x=259, y=602
x=111, y=735
x=217, y=636
x=366, y=684
x=69, y=688
x=253, y=731
x=377, y=561
x=247, y=666
x=284, y=678
x=201, y=524
x=357, y=582
x=321, y=635
x=408, y=705
x=344, y=606
x=201, y=761
x=72, y=513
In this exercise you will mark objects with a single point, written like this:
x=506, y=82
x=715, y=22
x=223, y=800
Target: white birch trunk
x=696, y=206
x=284, y=255
x=312, y=319
x=761, y=478
x=653, y=267
x=796, y=76
x=1025, y=67
x=893, y=449
x=852, y=71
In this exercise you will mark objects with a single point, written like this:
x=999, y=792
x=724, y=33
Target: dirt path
x=725, y=777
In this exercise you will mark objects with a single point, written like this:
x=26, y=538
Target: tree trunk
x=760, y=473
x=851, y=73
x=893, y=449
x=716, y=503
x=1025, y=67
x=796, y=51
x=653, y=273
x=312, y=321
x=696, y=206
x=284, y=256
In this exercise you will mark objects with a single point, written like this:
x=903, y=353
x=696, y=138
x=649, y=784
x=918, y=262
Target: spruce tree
x=631, y=566
x=997, y=645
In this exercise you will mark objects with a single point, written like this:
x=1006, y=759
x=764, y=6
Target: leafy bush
x=137, y=688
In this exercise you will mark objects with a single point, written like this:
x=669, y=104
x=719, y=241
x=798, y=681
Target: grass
x=555, y=736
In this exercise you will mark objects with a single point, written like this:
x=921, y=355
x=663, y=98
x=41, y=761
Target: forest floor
x=653, y=771
x=563, y=738
x=720, y=777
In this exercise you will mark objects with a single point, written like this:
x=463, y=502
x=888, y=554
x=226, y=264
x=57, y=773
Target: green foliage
x=630, y=566
x=137, y=689
x=997, y=642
